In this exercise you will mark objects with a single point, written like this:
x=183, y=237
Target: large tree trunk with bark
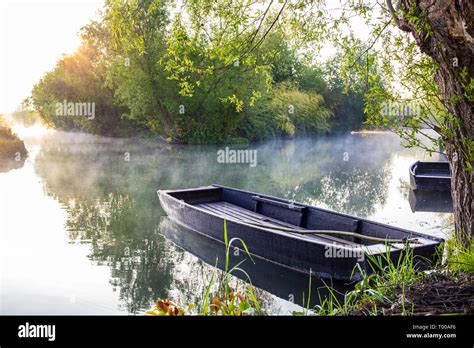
x=451, y=45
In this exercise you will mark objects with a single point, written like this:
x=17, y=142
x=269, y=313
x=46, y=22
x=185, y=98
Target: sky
x=33, y=36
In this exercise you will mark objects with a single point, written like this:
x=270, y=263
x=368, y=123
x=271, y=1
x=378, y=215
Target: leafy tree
x=79, y=78
x=136, y=73
x=206, y=74
x=285, y=64
x=299, y=112
x=427, y=68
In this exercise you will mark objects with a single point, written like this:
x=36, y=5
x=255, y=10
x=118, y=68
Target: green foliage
x=207, y=74
x=389, y=279
x=78, y=78
x=285, y=64
x=347, y=106
x=393, y=68
x=459, y=257
x=313, y=78
x=298, y=112
x=383, y=286
x=10, y=144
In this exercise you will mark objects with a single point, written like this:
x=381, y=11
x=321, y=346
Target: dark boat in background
x=430, y=176
x=430, y=201
x=283, y=231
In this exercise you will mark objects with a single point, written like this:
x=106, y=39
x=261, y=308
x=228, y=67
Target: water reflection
x=273, y=278
x=432, y=201
x=105, y=189
x=6, y=165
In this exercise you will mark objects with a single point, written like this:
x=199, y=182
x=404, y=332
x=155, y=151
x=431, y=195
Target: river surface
x=82, y=230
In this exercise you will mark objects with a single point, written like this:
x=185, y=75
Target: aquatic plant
x=224, y=300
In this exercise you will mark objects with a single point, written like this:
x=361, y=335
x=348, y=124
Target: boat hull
x=269, y=276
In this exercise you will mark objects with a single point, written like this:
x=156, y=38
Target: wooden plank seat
x=225, y=209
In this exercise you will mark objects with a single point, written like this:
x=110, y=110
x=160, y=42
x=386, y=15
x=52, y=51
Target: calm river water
x=82, y=231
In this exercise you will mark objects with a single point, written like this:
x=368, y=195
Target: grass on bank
x=219, y=297
x=401, y=288
x=383, y=285
x=391, y=287
x=459, y=258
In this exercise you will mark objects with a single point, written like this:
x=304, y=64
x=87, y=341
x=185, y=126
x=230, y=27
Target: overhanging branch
x=401, y=23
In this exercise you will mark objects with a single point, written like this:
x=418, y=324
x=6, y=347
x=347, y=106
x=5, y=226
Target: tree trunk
x=451, y=45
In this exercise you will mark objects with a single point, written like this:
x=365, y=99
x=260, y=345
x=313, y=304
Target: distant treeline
x=160, y=79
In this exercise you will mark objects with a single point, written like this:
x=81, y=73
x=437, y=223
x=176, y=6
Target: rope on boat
x=345, y=233
x=331, y=232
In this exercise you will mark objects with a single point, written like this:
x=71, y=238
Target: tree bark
x=451, y=45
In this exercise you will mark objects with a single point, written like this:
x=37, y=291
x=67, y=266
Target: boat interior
x=430, y=169
x=270, y=212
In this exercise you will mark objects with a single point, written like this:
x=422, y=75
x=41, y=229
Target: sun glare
x=33, y=35
x=36, y=130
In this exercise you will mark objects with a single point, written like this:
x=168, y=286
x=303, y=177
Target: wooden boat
x=430, y=176
x=297, y=236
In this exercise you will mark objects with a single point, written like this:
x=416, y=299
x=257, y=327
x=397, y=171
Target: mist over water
x=82, y=231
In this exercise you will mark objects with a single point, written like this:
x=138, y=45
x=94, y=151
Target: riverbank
x=391, y=289
x=12, y=149
x=439, y=293
x=402, y=288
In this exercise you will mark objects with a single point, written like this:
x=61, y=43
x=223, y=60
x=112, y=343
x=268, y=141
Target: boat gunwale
x=414, y=166
x=430, y=181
